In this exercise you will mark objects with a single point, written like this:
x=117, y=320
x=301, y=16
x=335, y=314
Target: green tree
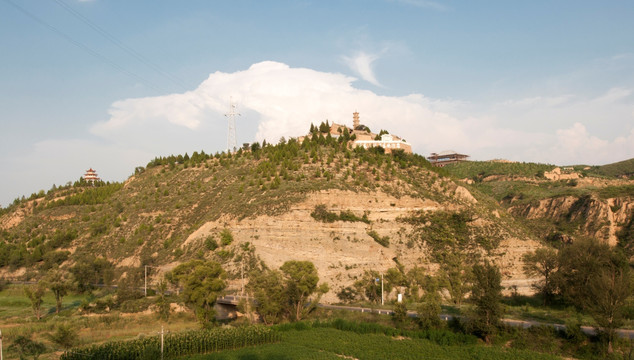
x=486, y=295
x=24, y=346
x=609, y=291
x=455, y=277
x=301, y=280
x=202, y=281
x=596, y=278
x=399, y=314
x=90, y=270
x=394, y=277
x=162, y=303
x=578, y=263
x=267, y=287
x=35, y=293
x=60, y=283
x=324, y=127
x=429, y=308
x=369, y=286
x=543, y=263
x=255, y=147
x=65, y=336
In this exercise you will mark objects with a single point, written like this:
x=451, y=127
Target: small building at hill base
x=446, y=157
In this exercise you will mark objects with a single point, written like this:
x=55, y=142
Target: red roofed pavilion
x=91, y=176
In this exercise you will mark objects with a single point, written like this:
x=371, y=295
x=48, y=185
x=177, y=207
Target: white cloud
x=576, y=145
x=361, y=63
x=286, y=100
x=282, y=101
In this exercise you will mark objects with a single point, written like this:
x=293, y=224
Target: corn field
x=178, y=344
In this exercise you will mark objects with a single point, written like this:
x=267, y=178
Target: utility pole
x=242, y=275
x=381, y=289
x=145, y=286
x=162, y=332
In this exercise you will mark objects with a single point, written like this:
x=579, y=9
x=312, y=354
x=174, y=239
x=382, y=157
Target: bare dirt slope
x=341, y=251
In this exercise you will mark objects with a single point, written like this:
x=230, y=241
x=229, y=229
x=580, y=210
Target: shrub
x=226, y=237
x=64, y=335
x=383, y=241
x=348, y=294
x=321, y=214
x=210, y=243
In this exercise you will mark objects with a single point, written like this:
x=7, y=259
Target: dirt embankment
x=342, y=251
x=599, y=218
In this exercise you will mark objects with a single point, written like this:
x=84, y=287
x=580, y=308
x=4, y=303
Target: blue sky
x=112, y=84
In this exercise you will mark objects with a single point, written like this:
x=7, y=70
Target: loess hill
x=345, y=210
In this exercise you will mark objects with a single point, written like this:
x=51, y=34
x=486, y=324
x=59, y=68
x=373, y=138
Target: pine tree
x=486, y=295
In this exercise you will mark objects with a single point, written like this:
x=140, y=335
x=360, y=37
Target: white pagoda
x=91, y=176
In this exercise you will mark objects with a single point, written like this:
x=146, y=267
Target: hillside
x=558, y=205
x=347, y=211
x=391, y=211
x=619, y=169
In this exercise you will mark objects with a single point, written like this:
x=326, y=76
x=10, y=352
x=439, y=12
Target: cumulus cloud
x=277, y=100
x=361, y=63
x=576, y=145
x=286, y=100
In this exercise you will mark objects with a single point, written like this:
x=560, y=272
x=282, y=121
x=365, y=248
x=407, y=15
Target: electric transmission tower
x=231, y=135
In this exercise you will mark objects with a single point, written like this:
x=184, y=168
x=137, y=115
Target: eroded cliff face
x=589, y=215
x=342, y=251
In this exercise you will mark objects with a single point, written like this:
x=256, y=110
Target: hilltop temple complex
x=361, y=136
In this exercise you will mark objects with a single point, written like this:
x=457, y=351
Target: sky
x=113, y=84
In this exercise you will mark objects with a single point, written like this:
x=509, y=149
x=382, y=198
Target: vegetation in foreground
x=326, y=341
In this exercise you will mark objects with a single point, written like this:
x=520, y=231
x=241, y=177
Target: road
x=588, y=330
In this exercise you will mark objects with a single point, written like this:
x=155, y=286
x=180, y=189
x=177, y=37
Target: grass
x=477, y=170
x=527, y=308
x=161, y=206
x=621, y=168
x=15, y=305
x=329, y=343
x=16, y=319
x=299, y=341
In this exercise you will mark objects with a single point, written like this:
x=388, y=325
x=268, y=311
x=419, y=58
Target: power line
x=120, y=44
x=83, y=47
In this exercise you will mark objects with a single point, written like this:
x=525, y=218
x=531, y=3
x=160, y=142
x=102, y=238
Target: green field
x=328, y=343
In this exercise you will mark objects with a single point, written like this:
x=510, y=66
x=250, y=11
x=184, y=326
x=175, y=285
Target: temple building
x=366, y=139
x=91, y=176
x=446, y=157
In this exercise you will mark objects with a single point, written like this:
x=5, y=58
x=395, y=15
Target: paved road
x=588, y=330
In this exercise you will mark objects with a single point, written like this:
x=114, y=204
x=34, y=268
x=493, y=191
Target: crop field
x=329, y=343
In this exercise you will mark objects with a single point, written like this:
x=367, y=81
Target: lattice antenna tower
x=231, y=134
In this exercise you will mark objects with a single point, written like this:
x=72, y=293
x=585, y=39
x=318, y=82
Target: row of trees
x=589, y=275
x=285, y=293
x=278, y=294
x=88, y=272
x=454, y=279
